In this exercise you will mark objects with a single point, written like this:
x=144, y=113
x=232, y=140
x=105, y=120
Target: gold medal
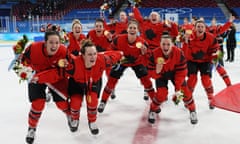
x=160, y=60
x=138, y=44
x=61, y=63
x=189, y=32
x=106, y=33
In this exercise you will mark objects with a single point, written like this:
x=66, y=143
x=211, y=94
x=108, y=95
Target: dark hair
x=194, y=18
x=99, y=20
x=86, y=43
x=49, y=33
x=166, y=36
x=52, y=27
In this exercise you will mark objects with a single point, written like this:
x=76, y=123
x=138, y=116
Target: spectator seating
x=178, y=3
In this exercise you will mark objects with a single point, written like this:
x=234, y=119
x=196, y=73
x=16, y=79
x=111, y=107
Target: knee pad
x=146, y=82
x=161, y=94
x=206, y=81
x=191, y=82
x=62, y=105
x=38, y=105
x=76, y=101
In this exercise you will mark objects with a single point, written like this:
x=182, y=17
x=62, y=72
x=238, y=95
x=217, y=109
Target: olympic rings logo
x=21, y=24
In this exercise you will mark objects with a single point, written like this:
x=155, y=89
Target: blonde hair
x=76, y=21
x=155, y=13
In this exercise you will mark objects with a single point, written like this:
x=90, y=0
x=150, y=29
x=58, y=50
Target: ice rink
x=124, y=120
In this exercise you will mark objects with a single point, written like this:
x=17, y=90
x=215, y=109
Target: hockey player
x=170, y=64
x=41, y=56
x=99, y=36
x=102, y=40
x=152, y=30
x=133, y=47
x=87, y=69
x=75, y=37
x=200, y=49
x=118, y=27
x=217, y=31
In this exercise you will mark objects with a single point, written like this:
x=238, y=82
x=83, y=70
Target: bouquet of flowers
x=104, y=7
x=134, y=2
x=64, y=37
x=20, y=46
x=25, y=73
x=18, y=50
x=179, y=95
x=217, y=56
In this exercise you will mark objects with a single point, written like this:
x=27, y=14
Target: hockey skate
x=101, y=107
x=145, y=96
x=48, y=96
x=73, y=124
x=93, y=128
x=211, y=107
x=30, y=135
x=113, y=95
x=151, y=117
x=158, y=110
x=193, y=117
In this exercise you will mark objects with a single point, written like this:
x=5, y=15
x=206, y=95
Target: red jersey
x=174, y=66
x=130, y=50
x=185, y=27
x=117, y=27
x=200, y=49
x=46, y=67
x=219, y=29
x=74, y=44
x=101, y=42
x=152, y=32
x=36, y=57
x=84, y=75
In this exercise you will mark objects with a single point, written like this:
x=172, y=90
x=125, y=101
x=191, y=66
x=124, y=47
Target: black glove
x=129, y=59
x=116, y=67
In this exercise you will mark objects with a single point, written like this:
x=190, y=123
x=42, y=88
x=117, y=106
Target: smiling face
x=166, y=45
x=132, y=28
x=123, y=16
x=77, y=29
x=200, y=28
x=52, y=44
x=154, y=17
x=99, y=27
x=90, y=56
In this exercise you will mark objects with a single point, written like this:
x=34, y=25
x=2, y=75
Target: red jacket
x=36, y=57
x=200, y=49
x=46, y=67
x=174, y=66
x=101, y=42
x=74, y=44
x=77, y=69
x=117, y=27
x=219, y=29
x=130, y=51
x=185, y=27
x=152, y=32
